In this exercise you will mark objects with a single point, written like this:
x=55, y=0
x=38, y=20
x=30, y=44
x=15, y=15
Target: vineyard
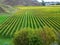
x=34, y=18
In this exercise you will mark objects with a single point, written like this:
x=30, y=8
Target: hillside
x=21, y=2
x=7, y=9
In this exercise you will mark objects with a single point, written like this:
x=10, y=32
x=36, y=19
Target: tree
x=43, y=3
x=58, y=3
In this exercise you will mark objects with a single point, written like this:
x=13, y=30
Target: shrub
x=44, y=36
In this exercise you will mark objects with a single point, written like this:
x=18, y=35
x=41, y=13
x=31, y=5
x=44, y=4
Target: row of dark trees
x=43, y=3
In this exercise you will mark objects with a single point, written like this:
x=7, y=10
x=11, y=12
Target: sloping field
x=34, y=18
x=31, y=18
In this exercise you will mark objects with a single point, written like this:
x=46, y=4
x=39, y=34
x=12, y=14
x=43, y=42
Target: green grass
x=3, y=17
x=30, y=17
x=5, y=41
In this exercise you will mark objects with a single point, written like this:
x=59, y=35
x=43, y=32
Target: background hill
x=20, y=2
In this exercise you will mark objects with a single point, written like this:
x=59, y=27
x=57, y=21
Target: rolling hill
x=21, y=2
